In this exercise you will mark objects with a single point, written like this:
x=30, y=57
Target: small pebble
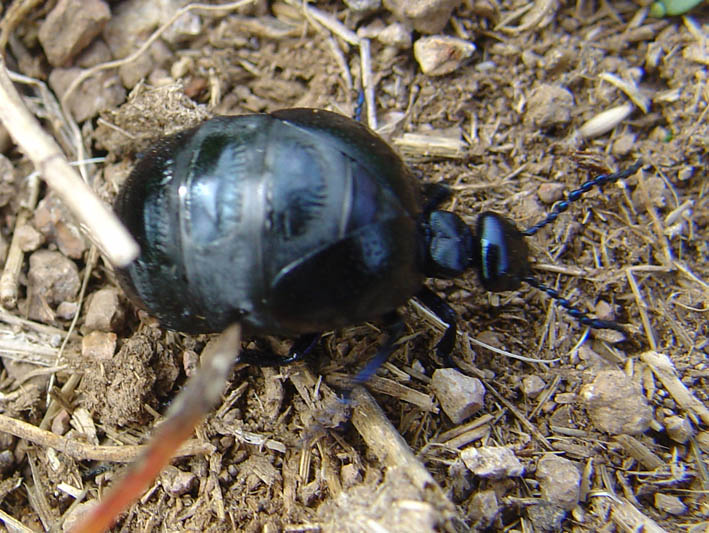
x=669, y=504
x=363, y=6
x=176, y=482
x=551, y=192
x=549, y=106
x=559, y=480
x=70, y=26
x=350, y=475
x=99, y=345
x=545, y=516
x=616, y=404
x=678, y=428
x=104, y=311
x=28, y=238
x=75, y=514
x=460, y=396
x=657, y=193
x=51, y=279
x=604, y=311
x=7, y=461
x=395, y=35
x=703, y=441
x=483, y=509
x=190, y=362
x=426, y=16
x=67, y=310
x=624, y=144
x=104, y=90
x=60, y=423
x=495, y=462
x=439, y=55
x=532, y=386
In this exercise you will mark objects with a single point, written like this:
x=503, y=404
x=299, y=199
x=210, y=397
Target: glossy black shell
x=291, y=222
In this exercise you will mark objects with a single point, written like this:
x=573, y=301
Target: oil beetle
x=301, y=221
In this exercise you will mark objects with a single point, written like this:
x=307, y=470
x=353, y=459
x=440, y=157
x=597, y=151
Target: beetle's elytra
x=297, y=222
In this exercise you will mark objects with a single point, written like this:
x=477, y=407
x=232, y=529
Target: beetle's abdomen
x=270, y=222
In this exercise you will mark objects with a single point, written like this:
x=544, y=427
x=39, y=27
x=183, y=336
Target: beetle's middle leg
x=448, y=316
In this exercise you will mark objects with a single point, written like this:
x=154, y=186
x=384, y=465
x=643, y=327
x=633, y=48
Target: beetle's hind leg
x=448, y=316
x=301, y=348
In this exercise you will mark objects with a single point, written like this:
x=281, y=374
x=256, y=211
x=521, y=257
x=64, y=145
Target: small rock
x=8, y=183
x=29, y=238
x=604, y=311
x=426, y=16
x=70, y=27
x=494, y=462
x=350, y=475
x=176, y=482
x=669, y=504
x=483, y=509
x=657, y=193
x=67, y=310
x=616, y=404
x=678, y=429
x=551, y=192
x=459, y=481
x=7, y=461
x=99, y=345
x=104, y=311
x=69, y=240
x=98, y=52
x=395, y=35
x=624, y=144
x=703, y=441
x=549, y=106
x=363, y=6
x=532, y=386
x=99, y=92
x=60, y=423
x=75, y=514
x=460, y=395
x=52, y=278
x=560, y=481
x=545, y=516
x=439, y=55
x=190, y=362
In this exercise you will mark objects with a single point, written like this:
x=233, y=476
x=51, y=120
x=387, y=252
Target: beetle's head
x=496, y=249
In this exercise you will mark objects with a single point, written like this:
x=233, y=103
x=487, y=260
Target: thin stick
x=96, y=219
x=199, y=396
x=89, y=452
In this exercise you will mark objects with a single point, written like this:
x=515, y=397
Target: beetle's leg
x=448, y=316
x=302, y=346
x=434, y=194
x=395, y=328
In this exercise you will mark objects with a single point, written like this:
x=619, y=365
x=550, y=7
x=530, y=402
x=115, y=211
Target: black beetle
x=296, y=222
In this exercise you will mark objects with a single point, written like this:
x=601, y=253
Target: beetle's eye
x=450, y=246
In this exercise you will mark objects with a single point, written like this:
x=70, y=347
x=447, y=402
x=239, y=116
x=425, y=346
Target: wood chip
x=663, y=367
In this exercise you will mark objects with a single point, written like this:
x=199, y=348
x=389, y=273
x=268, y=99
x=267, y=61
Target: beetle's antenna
x=560, y=207
x=583, y=318
x=598, y=181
